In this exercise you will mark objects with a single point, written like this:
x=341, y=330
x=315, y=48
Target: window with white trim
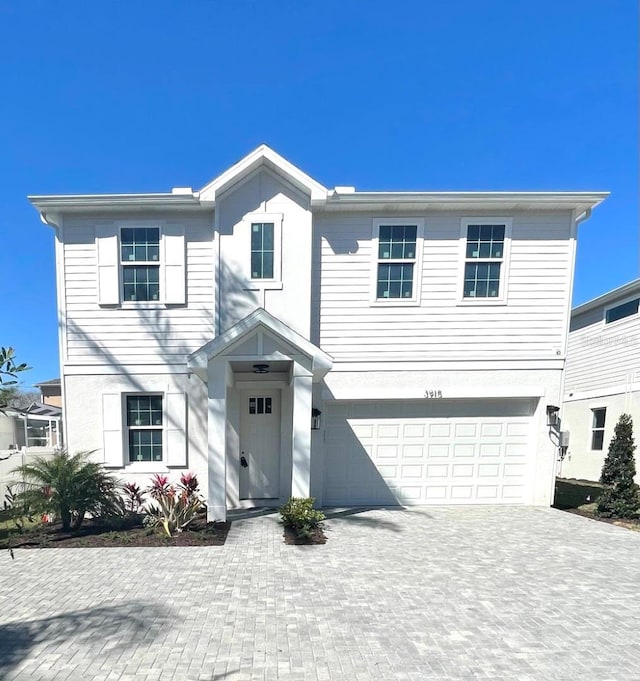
x=597, y=428
x=144, y=427
x=626, y=309
x=262, y=250
x=140, y=262
x=484, y=260
x=397, y=249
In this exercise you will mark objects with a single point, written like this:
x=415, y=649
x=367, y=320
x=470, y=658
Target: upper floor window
x=140, y=260
x=144, y=426
x=597, y=428
x=262, y=250
x=397, y=261
x=485, y=259
x=141, y=263
x=621, y=311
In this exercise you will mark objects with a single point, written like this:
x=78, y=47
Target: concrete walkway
x=450, y=594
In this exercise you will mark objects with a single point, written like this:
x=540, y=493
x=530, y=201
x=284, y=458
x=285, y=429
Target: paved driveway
x=509, y=594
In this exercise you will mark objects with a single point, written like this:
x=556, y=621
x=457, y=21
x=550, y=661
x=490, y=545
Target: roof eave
x=624, y=291
x=88, y=202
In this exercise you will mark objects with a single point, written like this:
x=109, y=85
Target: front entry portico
x=260, y=376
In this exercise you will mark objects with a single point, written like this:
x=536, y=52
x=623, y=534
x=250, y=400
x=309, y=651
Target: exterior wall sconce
x=552, y=415
x=260, y=368
x=315, y=419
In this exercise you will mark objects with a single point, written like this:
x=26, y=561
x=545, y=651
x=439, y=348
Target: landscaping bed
x=97, y=534
x=589, y=511
x=317, y=536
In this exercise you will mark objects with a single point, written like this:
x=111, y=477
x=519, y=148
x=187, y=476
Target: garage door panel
x=392, y=453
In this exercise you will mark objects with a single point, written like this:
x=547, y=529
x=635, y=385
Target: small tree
x=70, y=487
x=621, y=496
x=8, y=374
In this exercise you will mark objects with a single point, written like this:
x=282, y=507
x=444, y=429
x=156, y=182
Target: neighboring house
x=39, y=425
x=51, y=392
x=602, y=377
x=279, y=338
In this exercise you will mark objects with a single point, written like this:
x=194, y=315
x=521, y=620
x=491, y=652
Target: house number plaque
x=433, y=394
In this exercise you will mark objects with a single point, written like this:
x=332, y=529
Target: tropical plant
x=8, y=374
x=621, y=496
x=70, y=486
x=133, y=497
x=299, y=515
x=173, y=507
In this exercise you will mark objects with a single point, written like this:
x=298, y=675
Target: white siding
x=600, y=355
x=149, y=333
x=531, y=325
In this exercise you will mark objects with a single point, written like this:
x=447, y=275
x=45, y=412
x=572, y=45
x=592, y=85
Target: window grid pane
x=141, y=282
x=395, y=280
x=485, y=241
x=262, y=250
x=144, y=421
x=397, y=242
x=140, y=244
x=481, y=280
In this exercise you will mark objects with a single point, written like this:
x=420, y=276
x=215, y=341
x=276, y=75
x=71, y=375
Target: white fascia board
x=624, y=291
x=578, y=201
x=577, y=396
x=85, y=202
x=263, y=155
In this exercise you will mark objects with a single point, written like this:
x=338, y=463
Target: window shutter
x=112, y=430
x=108, y=264
x=174, y=265
x=176, y=427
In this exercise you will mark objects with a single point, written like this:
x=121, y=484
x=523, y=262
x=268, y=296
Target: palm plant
x=69, y=485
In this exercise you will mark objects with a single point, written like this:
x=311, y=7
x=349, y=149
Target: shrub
x=299, y=515
x=173, y=506
x=621, y=496
x=69, y=486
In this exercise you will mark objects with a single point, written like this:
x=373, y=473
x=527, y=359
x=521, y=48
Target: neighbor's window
x=140, y=261
x=397, y=254
x=144, y=425
x=597, y=428
x=262, y=250
x=621, y=311
x=484, y=259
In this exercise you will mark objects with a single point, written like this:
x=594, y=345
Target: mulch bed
x=586, y=513
x=92, y=534
x=317, y=537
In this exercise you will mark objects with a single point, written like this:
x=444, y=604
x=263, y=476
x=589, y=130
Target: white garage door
x=464, y=452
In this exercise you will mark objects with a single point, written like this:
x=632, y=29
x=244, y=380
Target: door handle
x=243, y=462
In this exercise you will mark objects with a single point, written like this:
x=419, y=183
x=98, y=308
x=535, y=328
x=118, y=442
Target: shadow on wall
x=115, y=628
x=159, y=325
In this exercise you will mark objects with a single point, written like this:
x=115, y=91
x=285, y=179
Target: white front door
x=260, y=444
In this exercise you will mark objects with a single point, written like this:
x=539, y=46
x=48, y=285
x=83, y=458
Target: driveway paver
x=453, y=594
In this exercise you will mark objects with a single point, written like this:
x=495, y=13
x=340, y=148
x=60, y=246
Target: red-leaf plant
x=173, y=507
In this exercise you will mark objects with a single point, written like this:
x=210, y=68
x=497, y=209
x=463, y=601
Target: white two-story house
x=280, y=338
x=602, y=377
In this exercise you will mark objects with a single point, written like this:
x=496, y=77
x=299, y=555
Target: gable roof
x=263, y=156
x=199, y=359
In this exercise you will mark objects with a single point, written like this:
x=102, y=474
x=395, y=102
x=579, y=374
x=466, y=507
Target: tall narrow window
x=144, y=425
x=262, y=250
x=140, y=260
x=484, y=259
x=597, y=429
x=397, y=253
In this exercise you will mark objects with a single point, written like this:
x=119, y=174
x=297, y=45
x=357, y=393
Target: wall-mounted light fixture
x=552, y=415
x=260, y=368
x=315, y=419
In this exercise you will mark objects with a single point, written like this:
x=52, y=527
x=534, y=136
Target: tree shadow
x=356, y=517
x=83, y=627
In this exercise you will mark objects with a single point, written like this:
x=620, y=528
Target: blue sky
x=143, y=96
